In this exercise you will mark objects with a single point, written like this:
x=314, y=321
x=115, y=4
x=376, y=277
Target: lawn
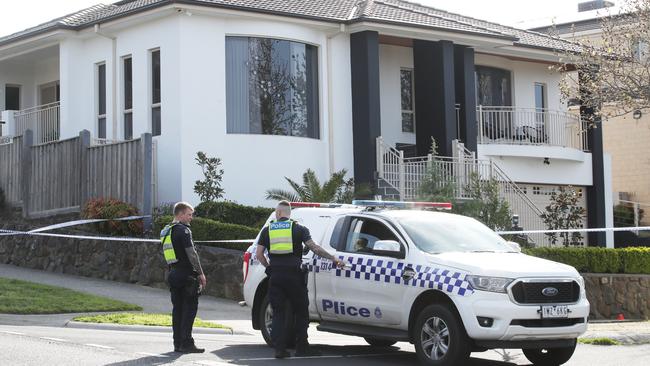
x=21, y=297
x=142, y=319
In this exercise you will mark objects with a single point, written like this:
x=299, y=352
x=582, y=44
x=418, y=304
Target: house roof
x=396, y=12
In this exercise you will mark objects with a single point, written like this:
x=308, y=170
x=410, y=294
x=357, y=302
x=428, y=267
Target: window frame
x=347, y=226
x=412, y=110
x=101, y=118
x=126, y=110
x=313, y=131
x=540, y=112
x=155, y=107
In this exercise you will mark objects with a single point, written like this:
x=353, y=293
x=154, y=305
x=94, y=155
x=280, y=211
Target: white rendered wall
x=29, y=74
x=391, y=60
x=340, y=83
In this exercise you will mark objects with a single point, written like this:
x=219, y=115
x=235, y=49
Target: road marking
x=211, y=363
x=14, y=333
x=53, y=339
x=97, y=346
x=327, y=356
x=152, y=354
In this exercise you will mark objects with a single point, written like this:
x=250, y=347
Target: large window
x=493, y=86
x=272, y=87
x=156, y=117
x=128, y=97
x=408, y=113
x=12, y=97
x=101, y=101
x=540, y=102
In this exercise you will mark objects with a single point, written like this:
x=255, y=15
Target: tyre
x=439, y=337
x=549, y=356
x=376, y=342
x=265, y=317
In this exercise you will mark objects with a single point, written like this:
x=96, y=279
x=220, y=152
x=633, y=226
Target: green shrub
x=206, y=229
x=635, y=260
x=110, y=208
x=598, y=260
x=234, y=213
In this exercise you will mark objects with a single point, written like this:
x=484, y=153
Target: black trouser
x=288, y=283
x=185, y=303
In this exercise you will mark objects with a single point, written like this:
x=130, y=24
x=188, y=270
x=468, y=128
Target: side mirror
x=515, y=246
x=387, y=247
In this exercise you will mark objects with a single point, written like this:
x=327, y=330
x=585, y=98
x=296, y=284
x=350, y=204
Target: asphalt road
x=54, y=345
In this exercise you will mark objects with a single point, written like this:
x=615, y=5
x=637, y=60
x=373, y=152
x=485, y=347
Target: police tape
x=40, y=232
x=595, y=230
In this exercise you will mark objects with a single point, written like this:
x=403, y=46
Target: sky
x=22, y=14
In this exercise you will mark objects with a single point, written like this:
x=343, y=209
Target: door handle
x=408, y=273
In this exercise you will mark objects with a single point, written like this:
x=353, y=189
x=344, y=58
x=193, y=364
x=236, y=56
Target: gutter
x=114, y=74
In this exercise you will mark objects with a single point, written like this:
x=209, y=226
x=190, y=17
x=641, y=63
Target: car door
x=370, y=290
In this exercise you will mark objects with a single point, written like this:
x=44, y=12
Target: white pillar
x=609, y=201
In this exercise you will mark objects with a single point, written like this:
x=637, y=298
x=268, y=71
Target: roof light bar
x=402, y=204
x=314, y=204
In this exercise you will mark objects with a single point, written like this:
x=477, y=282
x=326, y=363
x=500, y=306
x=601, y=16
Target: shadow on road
x=256, y=354
x=150, y=360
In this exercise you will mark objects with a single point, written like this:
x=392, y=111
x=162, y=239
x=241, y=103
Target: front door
x=365, y=292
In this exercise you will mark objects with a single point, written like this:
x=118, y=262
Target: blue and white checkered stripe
x=390, y=271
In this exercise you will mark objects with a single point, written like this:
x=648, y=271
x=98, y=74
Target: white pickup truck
x=444, y=282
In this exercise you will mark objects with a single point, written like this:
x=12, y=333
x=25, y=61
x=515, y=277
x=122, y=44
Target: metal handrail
x=44, y=120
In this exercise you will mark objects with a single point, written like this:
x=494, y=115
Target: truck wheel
x=377, y=342
x=440, y=339
x=265, y=316
x=549, y=356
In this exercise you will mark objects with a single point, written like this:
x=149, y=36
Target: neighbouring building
x=276, y=87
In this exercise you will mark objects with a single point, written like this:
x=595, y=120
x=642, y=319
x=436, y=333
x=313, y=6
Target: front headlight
x=491, y=284
x=583, y=288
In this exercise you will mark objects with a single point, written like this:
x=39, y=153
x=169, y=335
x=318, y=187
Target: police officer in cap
x=283, y=239
x=186, y=278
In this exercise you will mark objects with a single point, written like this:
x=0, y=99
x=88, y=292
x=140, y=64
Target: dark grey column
x=466, y=95
x=596, y=192
x=366, y=122
x=435, y=96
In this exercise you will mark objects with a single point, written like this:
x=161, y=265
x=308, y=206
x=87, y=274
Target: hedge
x=635, y=260
x=206, y=229
x=233, y=213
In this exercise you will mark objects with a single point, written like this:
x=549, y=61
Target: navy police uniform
x=287, y=282
x=184, y=285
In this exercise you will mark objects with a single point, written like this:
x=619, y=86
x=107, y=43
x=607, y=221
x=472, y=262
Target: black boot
x=282, y=353
x=191, y=349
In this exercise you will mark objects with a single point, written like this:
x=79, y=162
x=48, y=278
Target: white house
x=276, y=87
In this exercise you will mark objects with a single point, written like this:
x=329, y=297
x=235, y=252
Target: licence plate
x=555, y=311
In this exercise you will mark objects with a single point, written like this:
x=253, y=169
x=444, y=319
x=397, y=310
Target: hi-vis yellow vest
x=166, y=240
x=280, y=237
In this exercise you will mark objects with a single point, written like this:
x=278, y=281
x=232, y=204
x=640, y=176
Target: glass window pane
x=407, y=122
x=155, y=77
x=12, y=98
x=156, y=121
x=540, y=101
x=493, y=86
x=101, y=89
x=128, y=84
x=101, y=128
x=272, y=87
x=406, y=81
x=128, y=126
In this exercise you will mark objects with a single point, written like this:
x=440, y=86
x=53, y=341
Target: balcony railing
x=530, y=126
x=44, y=120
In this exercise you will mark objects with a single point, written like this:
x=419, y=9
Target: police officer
x=186, y=278
x=283, y=239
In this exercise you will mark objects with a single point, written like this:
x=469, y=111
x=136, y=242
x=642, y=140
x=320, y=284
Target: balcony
x=508, y=125
x=44, y=120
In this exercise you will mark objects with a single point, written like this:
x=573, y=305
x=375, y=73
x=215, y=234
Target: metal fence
x=530, y=126
x=43, y=120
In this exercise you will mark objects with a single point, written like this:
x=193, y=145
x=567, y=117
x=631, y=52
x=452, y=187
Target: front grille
x=531, y=292
x=547, y=323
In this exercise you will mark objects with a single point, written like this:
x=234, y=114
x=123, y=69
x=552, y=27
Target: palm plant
x=337, y=189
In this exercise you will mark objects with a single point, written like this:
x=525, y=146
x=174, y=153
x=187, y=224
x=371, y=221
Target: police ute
x=446, y=283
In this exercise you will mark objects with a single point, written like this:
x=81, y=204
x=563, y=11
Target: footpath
x=222, y=311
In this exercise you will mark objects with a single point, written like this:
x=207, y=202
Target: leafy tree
x=209, y=189
x=485, y=204
x=563, y=213
x=614, y=68
x=336, y=189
